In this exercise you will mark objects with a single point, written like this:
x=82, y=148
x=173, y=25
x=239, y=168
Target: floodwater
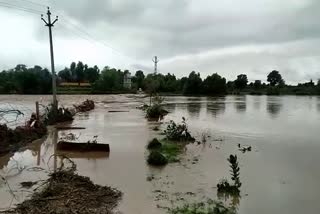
x=280, y=175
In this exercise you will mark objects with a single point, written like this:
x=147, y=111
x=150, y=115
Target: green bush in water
x=155, y=158
x=154, y=144
x=210, y=207
x=178, y=132
x=156, y=110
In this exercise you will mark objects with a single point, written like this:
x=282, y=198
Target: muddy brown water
x=279, y=175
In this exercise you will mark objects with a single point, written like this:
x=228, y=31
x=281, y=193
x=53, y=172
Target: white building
x=127, y=80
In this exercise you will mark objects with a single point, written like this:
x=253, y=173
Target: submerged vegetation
x=155, y=110
x=53, y=116
x=210, y=207
x=178, y=132
x=163, y=152
x=224, y=186
x=167, y=150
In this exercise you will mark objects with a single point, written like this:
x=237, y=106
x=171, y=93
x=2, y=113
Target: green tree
x=138, y=79
x=73, y=66
x=241, y=81
x=214, y=84
x=193, y=84
x=275, y=78
x=110, y=80
x=257, y=84
x=91, y=74
x=65, y=75
x=79, y=70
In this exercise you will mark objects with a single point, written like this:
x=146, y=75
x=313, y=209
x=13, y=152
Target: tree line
x=37, y=80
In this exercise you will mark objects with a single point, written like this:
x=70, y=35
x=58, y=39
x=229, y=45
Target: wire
x=13, y=6
x=34, y=3
x=72, y=27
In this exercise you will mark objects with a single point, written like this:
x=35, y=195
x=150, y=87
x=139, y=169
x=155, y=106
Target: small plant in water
x=178, y=132
x=210, y=207
x=156, y=110
x=224, y=186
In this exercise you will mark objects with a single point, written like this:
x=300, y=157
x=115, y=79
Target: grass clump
x=163, y=152
x=211, y=207
x=154, y=144
x=224, y=186
x=156, y=158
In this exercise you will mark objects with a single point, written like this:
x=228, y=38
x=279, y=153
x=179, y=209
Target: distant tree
x=20, y=68
x=193, y=84
x=230, y=85
x=110, y=80
x=214, y=84
x=91, y=74
x=138, y=79
x=257, y=84
x=65, y=75
x=169, y=83
x=152, y=84
x=79, y=72
x=241, y=81
x=73, y=71
x=180, y=83
x=275, y=78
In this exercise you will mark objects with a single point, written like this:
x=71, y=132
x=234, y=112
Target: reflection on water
x=194, y=108
x=216, y=106
x=274, y=106
x=257, y=102
x=241, y=103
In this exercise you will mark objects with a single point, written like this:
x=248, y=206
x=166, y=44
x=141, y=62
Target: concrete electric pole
x=50, y=24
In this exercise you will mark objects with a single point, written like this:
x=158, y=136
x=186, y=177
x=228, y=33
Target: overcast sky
x=228, y=37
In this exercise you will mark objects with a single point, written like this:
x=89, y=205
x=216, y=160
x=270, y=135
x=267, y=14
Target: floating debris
x=85, y=106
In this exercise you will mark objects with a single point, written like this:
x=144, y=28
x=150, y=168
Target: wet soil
x=67, y=192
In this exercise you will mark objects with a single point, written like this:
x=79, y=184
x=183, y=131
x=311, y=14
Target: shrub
x=156, y=110
x=154, y=144
x=61, y=115
x=178, y=132
x=155, y=158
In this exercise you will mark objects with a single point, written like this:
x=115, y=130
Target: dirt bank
x=66, y=192
x=12, y=140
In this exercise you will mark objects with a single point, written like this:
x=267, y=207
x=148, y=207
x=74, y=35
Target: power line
x=88, y=35
x=71, y=25
x=13, y=6
x=20, y=9
x=34, y=3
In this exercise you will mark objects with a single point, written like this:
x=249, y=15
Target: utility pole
x=155, y=60
x=50, y=24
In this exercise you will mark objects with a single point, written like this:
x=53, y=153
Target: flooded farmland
x=279, y=175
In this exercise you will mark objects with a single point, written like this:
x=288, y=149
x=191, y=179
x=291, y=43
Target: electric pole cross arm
x=50, y=24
